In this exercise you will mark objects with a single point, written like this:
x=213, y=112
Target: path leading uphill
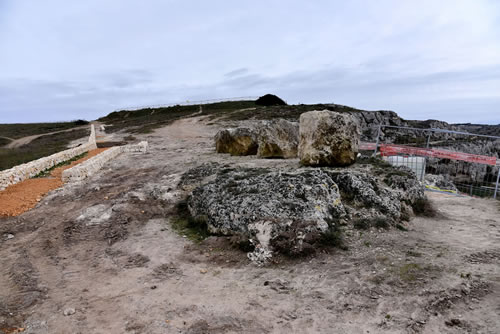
x=101, y=256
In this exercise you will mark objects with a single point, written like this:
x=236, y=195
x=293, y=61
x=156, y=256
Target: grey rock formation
x=440, y=181
x=285, y=210
x=292, y=211
x=328, y=138
x=278, y=139
x=360, y=190
x=237, y=141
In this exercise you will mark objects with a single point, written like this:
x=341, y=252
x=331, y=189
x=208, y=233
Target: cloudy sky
x=63, y=60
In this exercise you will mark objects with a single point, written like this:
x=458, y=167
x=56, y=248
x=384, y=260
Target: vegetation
x=424, y=207
x=366, y=223
x=146, y=120
x=182, y=222
x=39, y=148
x=47, y=172
x=4, y=141
x=19, y=130
x=270, y=100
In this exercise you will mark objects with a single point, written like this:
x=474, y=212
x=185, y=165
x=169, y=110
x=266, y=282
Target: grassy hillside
x=145, y=120
x=20, y=130
x=38, y=148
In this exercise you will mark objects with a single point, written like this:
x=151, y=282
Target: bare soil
x=23, y=196
x=105, y=249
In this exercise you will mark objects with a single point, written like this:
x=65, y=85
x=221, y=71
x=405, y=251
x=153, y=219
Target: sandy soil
x=23, y=196
x=103, y=252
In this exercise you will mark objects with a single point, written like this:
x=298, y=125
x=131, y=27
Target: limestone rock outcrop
x=275, y=210
x=278, y=139
x=236, y=141
x=328, y=138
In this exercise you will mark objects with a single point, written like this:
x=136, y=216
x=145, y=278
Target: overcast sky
x=63, y=60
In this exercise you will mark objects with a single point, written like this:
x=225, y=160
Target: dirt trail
x=105, y=249
x=15, y=143
x=23, y=196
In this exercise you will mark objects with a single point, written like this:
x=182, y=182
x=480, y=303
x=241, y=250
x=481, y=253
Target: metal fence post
x=429, y=139
x=378, y=139
x=496, y=186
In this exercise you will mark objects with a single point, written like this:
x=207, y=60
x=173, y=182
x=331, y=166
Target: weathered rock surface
x=440, y=181
x=362, y=191
x=278, y=139
x=290, y=211
x=271, y=208
x=236, y=141
x=328, y=138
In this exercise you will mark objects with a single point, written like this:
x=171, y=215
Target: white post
x=496, y=186
x=378, y=139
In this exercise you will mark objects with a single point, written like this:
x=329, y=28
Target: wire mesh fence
x=444, y=160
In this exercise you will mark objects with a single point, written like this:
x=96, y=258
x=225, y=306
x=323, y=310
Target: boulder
x=284, y=211
x=328, y=138
x=278, y=139
x=236, y=141
x=362, y=191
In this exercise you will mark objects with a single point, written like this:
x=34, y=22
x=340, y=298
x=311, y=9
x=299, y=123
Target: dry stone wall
x=92, y=165
x=30, y=169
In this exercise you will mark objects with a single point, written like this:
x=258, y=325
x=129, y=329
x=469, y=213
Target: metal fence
x=446, y=160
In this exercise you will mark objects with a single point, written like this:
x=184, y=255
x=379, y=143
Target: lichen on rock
x=328, y=138
x=278, y=139
x=265, y=205
x=236, y=141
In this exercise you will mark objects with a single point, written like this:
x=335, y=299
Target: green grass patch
x=147, y=119
x=4, y=141
x=39, y=148
x=19, y=130
x=193, y=228
x=47, y=172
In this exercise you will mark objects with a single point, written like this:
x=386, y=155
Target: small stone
x=9, y=236
x=69, y=311
x=203, y=271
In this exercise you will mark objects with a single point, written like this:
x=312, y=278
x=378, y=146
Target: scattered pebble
x=69, y=311
x=203, y=271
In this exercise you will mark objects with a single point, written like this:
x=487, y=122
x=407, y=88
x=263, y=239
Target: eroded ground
x=105, y=249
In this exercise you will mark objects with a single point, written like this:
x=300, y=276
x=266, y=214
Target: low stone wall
x=92, y=165
x=30, y=169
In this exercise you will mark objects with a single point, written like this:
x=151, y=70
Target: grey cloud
x=237, y=72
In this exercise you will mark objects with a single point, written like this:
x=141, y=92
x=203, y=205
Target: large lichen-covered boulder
x=236, y=141
x=362, y=192
x=328, y=138
x=285, y=211
x=278, y=139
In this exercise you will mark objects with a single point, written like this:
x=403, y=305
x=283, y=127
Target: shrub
x=424, y=207
x=270, y=100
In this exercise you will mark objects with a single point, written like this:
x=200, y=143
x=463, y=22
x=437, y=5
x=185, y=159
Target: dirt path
x=23, y=196
x=28, y=139
x=106, y=250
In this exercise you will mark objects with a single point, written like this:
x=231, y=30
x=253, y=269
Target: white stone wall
x=30, y=169
x=92, y=165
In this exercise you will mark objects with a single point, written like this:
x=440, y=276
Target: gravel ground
x=101, y=256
